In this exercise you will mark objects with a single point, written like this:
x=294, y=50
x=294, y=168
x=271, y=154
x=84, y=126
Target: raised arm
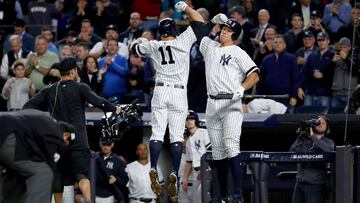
x=193, y=15
x=200, y=29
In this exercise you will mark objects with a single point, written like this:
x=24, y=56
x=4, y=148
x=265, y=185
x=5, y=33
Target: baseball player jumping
x=229, y=72
x=170, y=57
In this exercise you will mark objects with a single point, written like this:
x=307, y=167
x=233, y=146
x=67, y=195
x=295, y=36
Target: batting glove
x=238, y=93
x=137, y=41
x=219, y=19
x=180, y=6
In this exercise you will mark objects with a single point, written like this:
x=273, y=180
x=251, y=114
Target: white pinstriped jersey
x=139, y=180
x=226, y=67
x=196, y=146
x=171, y=58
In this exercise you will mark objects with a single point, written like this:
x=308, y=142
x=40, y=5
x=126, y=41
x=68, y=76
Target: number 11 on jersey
x=163, y=58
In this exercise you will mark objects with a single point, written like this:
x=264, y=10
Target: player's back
x=171, y=59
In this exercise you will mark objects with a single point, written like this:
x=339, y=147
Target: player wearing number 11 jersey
x=170, y=57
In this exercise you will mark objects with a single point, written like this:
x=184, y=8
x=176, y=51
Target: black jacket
x=312, y=172
x=94, y=83
x=66, y=101
x=38, y=136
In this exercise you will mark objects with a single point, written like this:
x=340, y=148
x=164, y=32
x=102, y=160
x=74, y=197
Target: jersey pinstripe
x=196, y=146
x=171, y=61
x=223, y=122
x=170, y=58
x=226, y=67
x=184, y=197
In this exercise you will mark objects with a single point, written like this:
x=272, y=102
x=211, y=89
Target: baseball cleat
x=155, y=185
x=173, y=187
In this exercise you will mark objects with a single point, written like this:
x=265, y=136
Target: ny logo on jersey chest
x=110, y=165
x=197, y=144
x=225, y=59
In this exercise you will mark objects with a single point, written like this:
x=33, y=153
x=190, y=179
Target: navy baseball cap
x=308, y=33
x=315, y=13
x=192, y=114
x=233, y=25
x=111, y=27
x=105, y=140
x=71, y=33
x=67, y=64
x=322, y=35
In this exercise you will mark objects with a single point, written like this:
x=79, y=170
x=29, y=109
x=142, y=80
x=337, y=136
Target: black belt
x=189, y=184
x=142, y=199
x=14, y=109
x=168, y=85
x=197, y=169
x=221, y=96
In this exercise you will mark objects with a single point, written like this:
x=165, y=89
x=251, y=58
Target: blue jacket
x=115, y=78
x=316, y=61
x=279, y=76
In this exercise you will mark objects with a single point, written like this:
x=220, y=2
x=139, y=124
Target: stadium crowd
x=308, y=53
x=308, y=50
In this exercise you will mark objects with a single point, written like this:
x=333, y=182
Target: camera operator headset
x=311, y=179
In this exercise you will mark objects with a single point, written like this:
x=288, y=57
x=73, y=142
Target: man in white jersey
x=229, y=72
x=170, y=57
x=184, y=197
x=196, y=146
x=139, y=180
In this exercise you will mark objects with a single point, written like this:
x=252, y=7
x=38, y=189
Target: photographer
x=343, y=74
x=311, y=178
x=65, y=101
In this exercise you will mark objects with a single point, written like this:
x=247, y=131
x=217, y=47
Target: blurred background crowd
x=306, y=49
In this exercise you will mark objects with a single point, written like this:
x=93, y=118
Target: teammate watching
x=110, y=174
x=170, y=57
x=196, y=146
x=139, y=180
x=229, y=72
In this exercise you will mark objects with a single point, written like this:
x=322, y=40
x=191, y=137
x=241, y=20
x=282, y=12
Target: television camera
x=115, y=125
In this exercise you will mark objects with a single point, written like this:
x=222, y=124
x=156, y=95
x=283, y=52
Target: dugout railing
x=265, y=173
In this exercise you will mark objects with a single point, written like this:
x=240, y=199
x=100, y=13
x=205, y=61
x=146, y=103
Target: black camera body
x=311, y=122
x=113, y=127
x=304, y=129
